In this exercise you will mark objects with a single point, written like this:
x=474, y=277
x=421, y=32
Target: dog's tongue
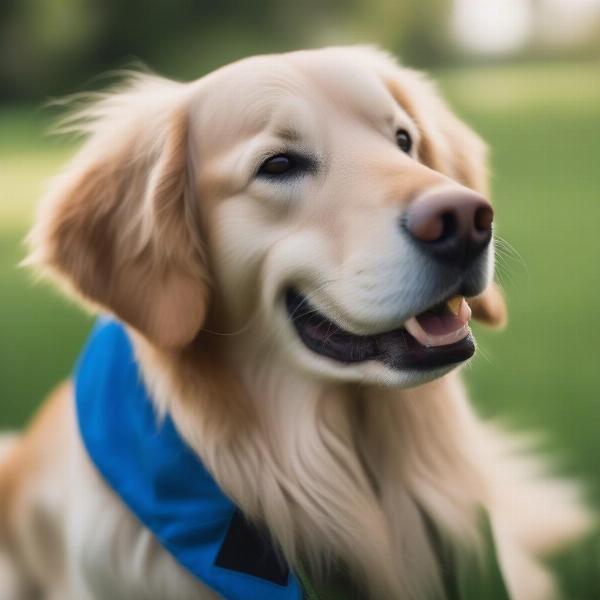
x=441, y=329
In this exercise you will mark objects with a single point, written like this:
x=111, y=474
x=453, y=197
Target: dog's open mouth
x=437, y=337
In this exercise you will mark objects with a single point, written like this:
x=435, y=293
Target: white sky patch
x=577, y=5
x=497, y=27
x=492, y=26
x=568, y=21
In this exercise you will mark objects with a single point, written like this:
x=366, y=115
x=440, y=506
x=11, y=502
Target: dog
x=289, y=251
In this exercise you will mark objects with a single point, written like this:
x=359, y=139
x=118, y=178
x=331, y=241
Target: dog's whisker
x=484, y=353
x=509, y=250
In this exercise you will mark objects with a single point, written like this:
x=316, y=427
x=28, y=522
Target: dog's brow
x=289, y=134
x=389, y=119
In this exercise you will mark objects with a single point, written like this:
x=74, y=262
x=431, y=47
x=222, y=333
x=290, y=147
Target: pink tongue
x=435, y=325
x=431, y=329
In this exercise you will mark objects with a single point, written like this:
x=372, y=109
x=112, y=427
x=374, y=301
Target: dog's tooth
x=454, y=304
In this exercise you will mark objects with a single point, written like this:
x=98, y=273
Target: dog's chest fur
x=113, y=555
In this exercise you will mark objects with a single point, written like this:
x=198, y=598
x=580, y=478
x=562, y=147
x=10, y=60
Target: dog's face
x=318, y=165
x=333, y=198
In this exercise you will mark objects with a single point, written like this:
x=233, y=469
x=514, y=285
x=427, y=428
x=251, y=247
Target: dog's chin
x=425, y=347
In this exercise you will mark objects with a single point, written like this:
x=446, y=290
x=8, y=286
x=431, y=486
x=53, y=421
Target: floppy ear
x=117, y=227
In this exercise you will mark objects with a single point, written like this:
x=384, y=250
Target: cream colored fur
x=13, y=584
x=159, y=220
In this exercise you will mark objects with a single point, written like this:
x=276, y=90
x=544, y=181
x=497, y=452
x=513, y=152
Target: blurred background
x=524, y=73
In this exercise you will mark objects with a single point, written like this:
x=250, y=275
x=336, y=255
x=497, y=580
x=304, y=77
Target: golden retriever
x=291, y=242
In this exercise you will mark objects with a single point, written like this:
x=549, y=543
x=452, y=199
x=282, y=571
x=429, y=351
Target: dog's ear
x=118, y=226
x=490, y=307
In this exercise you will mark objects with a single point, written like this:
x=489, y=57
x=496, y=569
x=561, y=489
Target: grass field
x=543, y=373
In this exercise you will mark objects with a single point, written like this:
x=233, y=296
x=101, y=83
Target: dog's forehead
x=242, y=98
x=350, y=77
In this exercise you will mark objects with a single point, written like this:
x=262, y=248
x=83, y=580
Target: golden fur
x=156, y=221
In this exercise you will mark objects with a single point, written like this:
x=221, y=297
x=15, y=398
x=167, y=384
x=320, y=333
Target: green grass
x=543, y=126
x=542, y=374
x=40, y=333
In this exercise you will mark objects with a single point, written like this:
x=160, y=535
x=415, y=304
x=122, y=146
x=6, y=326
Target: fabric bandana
x=167, y=488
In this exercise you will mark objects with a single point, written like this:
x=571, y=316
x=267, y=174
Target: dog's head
x=329, y=197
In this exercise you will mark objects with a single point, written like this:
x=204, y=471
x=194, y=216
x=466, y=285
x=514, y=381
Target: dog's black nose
x=454, y=226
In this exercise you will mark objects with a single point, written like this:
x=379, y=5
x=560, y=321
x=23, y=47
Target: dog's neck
x=337, y=472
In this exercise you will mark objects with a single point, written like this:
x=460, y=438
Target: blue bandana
x=163, y=483
x=168, y=489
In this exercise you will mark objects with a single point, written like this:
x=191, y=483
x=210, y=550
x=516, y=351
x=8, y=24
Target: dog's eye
x=277, y=165
x=404, y=140
x=286, y=165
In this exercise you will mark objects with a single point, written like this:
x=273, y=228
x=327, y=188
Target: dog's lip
x=429, y=340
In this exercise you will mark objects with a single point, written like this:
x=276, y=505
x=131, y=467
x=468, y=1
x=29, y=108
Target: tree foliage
x=51, y=47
